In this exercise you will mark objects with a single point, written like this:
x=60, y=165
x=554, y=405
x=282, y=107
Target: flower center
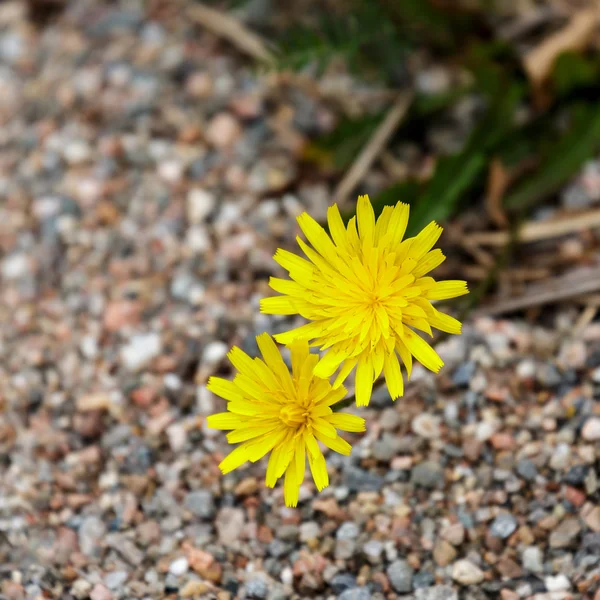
x=293, y=415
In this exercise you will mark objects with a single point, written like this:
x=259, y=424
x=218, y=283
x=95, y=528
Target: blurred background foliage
x=536, y=124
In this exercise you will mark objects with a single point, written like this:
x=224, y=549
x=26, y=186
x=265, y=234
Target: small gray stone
x=309, y=531
x=257, y=588
x=373, y=550
x=526, y=469
x=200, y=503
x=347, y=531
x=533, y=560
x=358, y=593
x=357, y=480
x=342, y=582
x=91, y=532
x=548, y=376
x=428, y=474
x=400, y=574
x=344, y=549
x=503, y=526
x=565, y=533
x=436, y=592
x=115, y=579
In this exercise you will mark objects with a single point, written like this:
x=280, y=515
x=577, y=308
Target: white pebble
x=427, y=426
x=557, y=583
x=179, y=567
x=15, y=266
x=214, y=352
x=200, y=204
x=591, y=430
x=141, y=350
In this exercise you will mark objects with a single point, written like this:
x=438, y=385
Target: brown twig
x=583, y=281
x=232, y=30
x=578, y=32
x=540, y=230
x=375, y=145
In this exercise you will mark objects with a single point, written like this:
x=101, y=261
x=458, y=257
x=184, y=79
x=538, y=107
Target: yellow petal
x=246, y=432
x=317, y=236
x=393, y=376
x=346, y=369
x=224, y=388
x=336, y=444
x=364, y=382
x=318, y=469
x=336, y=227
x=235, y=459
x=327, y=366
x=347, y=422
x=225, y=421
x=422, y=351
x=445, y=322
x=278, y=305
x=398, y=223
x=430, y=261
x=365, y=217
x=424, y=241
x=300, y=270
x=452, y=288
x=291, y=486
x=285, y=286
x=405, y=355
x=323, y=427
x=278, y=463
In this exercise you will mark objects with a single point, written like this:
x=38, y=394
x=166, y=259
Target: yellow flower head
x=271, y=410
x=366, y=290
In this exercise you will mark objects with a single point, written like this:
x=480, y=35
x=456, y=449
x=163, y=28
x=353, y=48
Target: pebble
x=115, y=579
x=200, y=503
x=427, y=426
x=466, y=573
x=533, y=559
x=257, y=588
x=140, y=350
x=179, y=567
x=223, y=130
x=591, y=430
x=214, y=352
x=309, y=530
x=91, y=532
x=455, y=533
x=565, y=533
x=527, y=469
x=428, y=474
x=557, y=583
x=436, y=592
x=373, y=551
x=100, y=592
x=358, y=593
x=592, y=518
x=503, y=526
x=400, y=574
x=342, y=582
x=200, y=204
x=443, y=553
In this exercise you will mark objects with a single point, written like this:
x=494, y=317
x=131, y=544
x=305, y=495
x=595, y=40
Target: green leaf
x=454, y=176
x=564, y=160
x=573, y=71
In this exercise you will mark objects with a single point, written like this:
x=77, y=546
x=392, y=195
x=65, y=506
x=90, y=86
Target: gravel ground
x=147, y=174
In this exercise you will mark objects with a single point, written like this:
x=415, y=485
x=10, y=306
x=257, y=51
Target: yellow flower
x=365, y=291
x=271, y=410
